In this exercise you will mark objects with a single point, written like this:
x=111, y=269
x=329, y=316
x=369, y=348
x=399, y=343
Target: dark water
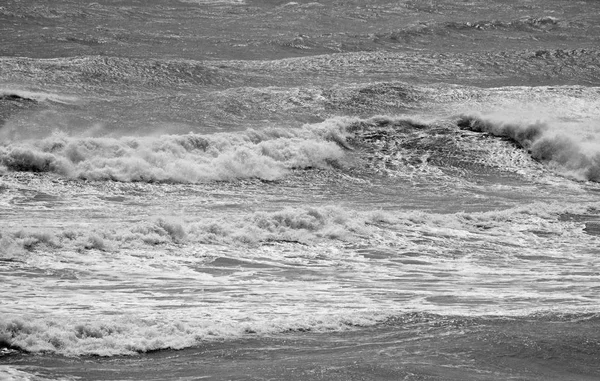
x=299, y=190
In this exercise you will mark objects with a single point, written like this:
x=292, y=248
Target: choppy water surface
x=299, y=190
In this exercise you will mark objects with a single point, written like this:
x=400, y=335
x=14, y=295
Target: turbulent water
x=263, y=189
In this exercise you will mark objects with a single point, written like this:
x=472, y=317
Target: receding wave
x=563, y=149
x=265, y=154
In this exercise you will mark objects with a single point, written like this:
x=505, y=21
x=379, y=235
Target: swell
x=530, y=24
x=105, y=75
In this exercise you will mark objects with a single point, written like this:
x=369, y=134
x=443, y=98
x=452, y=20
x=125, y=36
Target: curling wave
x=573, y=153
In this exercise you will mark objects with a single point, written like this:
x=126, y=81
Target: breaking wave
x=131, y=335
x=573, y=152
x=300, y=226
x=264, y=154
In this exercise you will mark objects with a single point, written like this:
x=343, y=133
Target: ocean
x=276, y=190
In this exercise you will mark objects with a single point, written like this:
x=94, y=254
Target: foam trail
x=572, y=149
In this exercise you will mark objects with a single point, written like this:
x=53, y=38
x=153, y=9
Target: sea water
x=301, y=190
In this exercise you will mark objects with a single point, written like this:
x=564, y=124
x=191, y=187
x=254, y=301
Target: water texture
x=327, y=190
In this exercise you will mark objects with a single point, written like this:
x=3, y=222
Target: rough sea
x=306, y=190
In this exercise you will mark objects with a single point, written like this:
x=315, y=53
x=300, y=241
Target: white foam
x=571, y=147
